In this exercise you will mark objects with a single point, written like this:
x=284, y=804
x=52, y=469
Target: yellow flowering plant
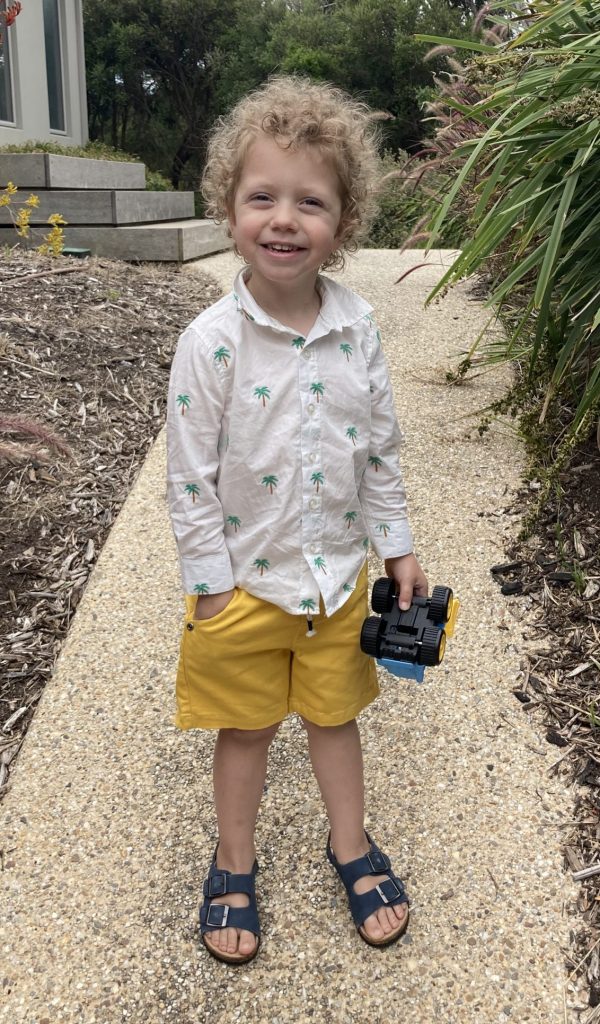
x=54, y=241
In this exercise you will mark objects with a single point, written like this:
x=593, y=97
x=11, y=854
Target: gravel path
x=108, y=825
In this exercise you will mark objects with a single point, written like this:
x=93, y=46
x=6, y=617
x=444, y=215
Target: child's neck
x=293, y=307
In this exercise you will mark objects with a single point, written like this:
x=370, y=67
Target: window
x=6, y=96
x=54, y=65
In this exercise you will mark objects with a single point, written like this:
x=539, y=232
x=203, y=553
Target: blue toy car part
x=407, y=642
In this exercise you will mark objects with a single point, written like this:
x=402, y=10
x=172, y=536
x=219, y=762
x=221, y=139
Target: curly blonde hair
x=298, y=112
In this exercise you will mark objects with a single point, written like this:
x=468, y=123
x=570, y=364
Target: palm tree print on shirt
x=193, y=490
x=352, y=433
x=320, y=564
x=184, y=402
x=365, y=543
x=262, y=392
x=383, y=528
x=347, y=588
x=262, y=564
x=222, y=354
x=317, y=389
x=350, y=517
x=201, y=588
x=346, y=349
x=375, y=461
x=307, y=605
x=234, y=521
x=317, y=479
x=270, y=481
x=298, y=343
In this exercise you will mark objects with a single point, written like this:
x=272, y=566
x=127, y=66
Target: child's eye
x=311, y=201
x=260, y=197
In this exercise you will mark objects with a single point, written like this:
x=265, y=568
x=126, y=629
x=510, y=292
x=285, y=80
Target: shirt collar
x=340, y=307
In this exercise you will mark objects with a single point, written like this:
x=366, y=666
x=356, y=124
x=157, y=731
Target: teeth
x=282, y=248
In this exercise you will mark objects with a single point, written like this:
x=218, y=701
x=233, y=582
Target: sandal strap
x=219, y=915
x=219, y=883
x=372, y=863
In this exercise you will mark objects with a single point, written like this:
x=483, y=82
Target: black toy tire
x=432, y=649
x=384, y=593
x=369, y=635
x=439, y=604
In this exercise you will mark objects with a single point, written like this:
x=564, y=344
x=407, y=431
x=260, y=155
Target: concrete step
x=46, y=170
x=168, y=241
x=106, y=207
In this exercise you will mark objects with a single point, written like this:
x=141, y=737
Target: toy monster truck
x=406, y=642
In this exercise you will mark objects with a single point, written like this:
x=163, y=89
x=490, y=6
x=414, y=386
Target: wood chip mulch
x=557, y=570
x=85, y=352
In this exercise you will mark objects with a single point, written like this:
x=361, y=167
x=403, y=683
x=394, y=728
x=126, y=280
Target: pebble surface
x=108, y=828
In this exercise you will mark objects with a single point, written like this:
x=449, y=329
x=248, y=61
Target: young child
x=282, y=468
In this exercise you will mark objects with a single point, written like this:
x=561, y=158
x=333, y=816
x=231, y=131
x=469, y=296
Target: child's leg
x=336, y=756
x=239, y=769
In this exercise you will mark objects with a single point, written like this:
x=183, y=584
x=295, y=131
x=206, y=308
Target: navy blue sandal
x=218, y=915
x=389, y=893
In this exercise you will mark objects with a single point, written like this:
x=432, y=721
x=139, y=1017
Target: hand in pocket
x=209, y=605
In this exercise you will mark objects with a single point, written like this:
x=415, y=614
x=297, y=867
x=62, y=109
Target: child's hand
x=410, y=578
x=209, y=605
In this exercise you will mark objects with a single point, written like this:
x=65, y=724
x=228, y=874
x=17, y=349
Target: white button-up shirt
x=282, y=452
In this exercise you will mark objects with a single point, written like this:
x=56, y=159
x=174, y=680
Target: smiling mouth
x=281, y=247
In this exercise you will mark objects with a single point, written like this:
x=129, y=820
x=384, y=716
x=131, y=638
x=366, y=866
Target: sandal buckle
x=389, y=896
x=221, y=913
x=379, y=862
x=215, y=885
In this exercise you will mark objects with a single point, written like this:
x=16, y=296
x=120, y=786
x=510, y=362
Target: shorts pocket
x=203, y=624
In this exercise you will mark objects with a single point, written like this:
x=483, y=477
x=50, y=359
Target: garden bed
x=85, y=352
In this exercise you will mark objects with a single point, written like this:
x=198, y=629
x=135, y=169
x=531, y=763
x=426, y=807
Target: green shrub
x=531, y=163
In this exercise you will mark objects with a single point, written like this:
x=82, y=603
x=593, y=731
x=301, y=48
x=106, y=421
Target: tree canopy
x=159, y=73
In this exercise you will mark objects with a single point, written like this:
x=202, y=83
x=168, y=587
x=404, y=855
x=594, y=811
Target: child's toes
x=247, y=942
x=231, y=940
x=373, y=928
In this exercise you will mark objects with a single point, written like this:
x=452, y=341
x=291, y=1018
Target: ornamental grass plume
x=19, y=451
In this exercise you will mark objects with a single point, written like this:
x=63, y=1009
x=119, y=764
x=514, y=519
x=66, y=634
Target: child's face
x=286, y=212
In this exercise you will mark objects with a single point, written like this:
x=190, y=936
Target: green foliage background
x=528, y=179
x=159, y=73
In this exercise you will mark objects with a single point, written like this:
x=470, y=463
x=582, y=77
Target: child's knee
x=251, y=737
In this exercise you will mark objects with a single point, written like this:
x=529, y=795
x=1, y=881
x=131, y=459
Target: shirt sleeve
x=382, y=494
x=194, y=414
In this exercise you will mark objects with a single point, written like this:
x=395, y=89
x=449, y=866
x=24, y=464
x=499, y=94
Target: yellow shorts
x=252, y=664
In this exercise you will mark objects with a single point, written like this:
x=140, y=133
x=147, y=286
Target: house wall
x=30, y=90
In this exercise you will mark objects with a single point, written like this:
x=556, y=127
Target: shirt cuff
x=391, y=539
x=210, y=574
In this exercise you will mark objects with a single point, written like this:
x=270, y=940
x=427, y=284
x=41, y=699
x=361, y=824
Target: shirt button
x=313, y=503
x=313, y=456
x=310, y=408
x=306, y=355
x=313, y=549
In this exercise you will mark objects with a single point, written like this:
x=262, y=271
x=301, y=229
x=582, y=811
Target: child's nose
x=284, y=216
